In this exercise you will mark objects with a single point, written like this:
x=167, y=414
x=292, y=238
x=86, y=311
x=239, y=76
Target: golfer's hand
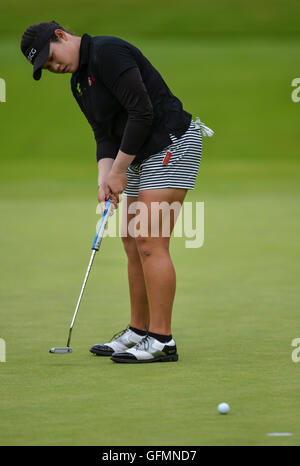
x=103, y=194
x=116, y=182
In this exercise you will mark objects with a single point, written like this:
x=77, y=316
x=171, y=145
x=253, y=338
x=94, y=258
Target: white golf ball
x=223, y=408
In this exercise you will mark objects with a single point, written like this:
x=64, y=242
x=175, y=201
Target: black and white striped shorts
x=176, y=166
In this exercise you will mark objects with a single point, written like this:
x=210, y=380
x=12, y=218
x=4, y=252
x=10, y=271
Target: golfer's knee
x=148, y=246
x=130, y=246
x=144, y=247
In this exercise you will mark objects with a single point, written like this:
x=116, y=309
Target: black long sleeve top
x=125, y=99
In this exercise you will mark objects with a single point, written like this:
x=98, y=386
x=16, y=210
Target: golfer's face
x=61, y=58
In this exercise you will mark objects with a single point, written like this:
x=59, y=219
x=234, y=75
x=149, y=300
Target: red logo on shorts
x=167, y=158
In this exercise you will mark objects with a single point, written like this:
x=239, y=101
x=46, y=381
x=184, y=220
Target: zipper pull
x=78, y=88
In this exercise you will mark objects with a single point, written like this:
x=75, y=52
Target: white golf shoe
x=120, y=342
x=147, y=350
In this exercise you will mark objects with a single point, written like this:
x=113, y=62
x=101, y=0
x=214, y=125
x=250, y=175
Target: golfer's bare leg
x=137, y=287
x=159, y=272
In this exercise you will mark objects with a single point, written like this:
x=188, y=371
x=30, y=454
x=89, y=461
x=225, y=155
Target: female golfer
x=148, y=148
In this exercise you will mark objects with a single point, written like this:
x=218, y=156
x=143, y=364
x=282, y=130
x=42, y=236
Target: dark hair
x=32, y=31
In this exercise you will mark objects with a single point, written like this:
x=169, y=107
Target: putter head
x=65, y=350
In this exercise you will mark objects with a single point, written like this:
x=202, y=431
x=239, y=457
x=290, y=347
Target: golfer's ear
x=61, y=34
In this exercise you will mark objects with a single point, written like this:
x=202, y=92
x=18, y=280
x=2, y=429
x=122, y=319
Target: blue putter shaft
x=101, y=226
x=95, y=248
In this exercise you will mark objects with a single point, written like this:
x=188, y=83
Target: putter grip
x=101, y=226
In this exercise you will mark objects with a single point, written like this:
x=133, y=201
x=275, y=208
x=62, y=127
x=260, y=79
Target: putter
x=95, y=248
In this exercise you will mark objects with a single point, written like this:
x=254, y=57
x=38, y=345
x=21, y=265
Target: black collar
x=84, y=50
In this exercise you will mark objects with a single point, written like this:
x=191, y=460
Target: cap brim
x=40, y=61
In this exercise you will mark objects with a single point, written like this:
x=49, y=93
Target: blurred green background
x=237, y=304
